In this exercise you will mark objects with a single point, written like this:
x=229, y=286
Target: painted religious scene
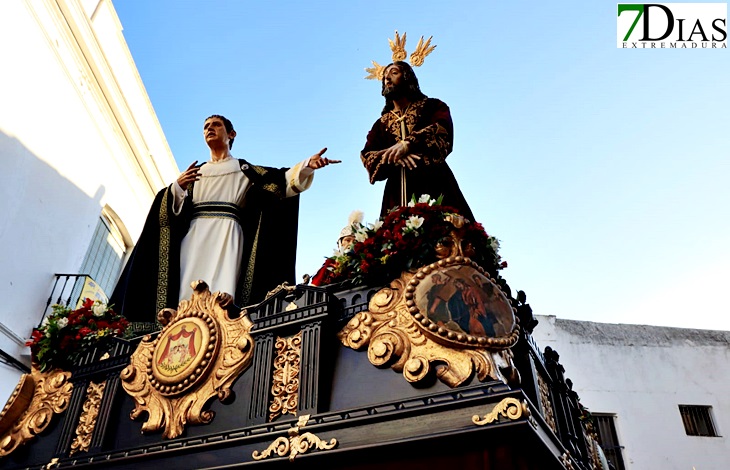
x=465, y=301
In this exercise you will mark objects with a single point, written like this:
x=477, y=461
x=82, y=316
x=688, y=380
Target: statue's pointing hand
x=316, y=161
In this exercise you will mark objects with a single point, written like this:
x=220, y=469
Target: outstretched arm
x=299, y=177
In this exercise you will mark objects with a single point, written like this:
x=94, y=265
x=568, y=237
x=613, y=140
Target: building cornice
x=72, y=38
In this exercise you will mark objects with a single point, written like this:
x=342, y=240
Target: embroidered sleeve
x=298, y=178
x=434, y=141
x=377, y=140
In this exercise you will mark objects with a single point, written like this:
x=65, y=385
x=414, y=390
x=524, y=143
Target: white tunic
x=212, y=249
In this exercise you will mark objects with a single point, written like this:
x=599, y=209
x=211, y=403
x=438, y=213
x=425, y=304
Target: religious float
x=414, y=355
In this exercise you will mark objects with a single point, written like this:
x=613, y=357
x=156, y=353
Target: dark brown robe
x=430, y=134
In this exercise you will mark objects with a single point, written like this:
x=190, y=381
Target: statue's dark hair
x=227, y=123
x=413, y=91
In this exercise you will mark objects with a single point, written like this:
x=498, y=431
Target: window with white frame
x=105, y=256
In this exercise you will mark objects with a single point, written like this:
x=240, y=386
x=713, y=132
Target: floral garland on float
x=407, y=238
x=65, y=335
x=441, y=311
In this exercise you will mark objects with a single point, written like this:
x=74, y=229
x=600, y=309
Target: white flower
x=62, y=322
x=424, y=198
x=376, y=226
x=414, y=222
x=432, y=202
x=360, y=236
x=494, y=243
x=99, y=308
x=411, y=203
x=45, y=321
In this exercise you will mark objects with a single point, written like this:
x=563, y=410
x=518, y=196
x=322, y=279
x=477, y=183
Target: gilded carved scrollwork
x=295, y=444
x=567, y=461
x=285, y=387
x=510, y=408
x=199, y=354
x=547, y=405
x=87, y=420
x=31, y=407
x=448, y=316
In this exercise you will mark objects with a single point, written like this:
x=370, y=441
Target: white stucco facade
x=642, y=374
x=78, y=136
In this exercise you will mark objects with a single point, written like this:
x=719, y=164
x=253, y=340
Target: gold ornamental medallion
x=198, y=354
x=182, y=353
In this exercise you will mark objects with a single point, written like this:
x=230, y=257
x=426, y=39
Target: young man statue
x=228, y=222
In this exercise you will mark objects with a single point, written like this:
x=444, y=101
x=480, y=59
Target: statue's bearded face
x=393, y=83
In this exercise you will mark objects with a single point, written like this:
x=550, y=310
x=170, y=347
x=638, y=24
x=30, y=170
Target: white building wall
x=641, y=374
x=77, y=134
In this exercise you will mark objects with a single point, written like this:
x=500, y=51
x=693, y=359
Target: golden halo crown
x=398, y=46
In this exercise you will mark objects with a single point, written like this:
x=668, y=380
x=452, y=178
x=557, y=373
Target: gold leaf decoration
x=87, y=420
x=510, y=408
x=285, y=386
x=199, y=353
x=295, y=444
x=547, y=404
x=404, y=330
x=422, y=50
x=375, y=72
x=34, y=402
x=398, y=46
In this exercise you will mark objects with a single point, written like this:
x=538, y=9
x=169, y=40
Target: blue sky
x=604, y=172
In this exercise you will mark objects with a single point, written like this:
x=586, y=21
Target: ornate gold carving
x=567, y=461
x=281, y=287
x=87, y=420
x=295, y=444
x=31, y=407
x=422, y=50
x=51, y=464
x=285, y=388
x=375, y=72
x=510, y=408
x=398, y=47
x=199, y=354
x=547, y=405
x=409, y=328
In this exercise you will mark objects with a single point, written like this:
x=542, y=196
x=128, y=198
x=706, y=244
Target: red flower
x=84, y=331
x=35, y=337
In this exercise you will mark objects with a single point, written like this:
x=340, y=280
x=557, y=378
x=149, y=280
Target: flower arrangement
x=408, y=237
x=67, y=334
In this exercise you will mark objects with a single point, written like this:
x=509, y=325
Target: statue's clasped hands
x=397, y=154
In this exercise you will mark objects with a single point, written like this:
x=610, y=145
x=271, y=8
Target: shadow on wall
x=45, y=226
